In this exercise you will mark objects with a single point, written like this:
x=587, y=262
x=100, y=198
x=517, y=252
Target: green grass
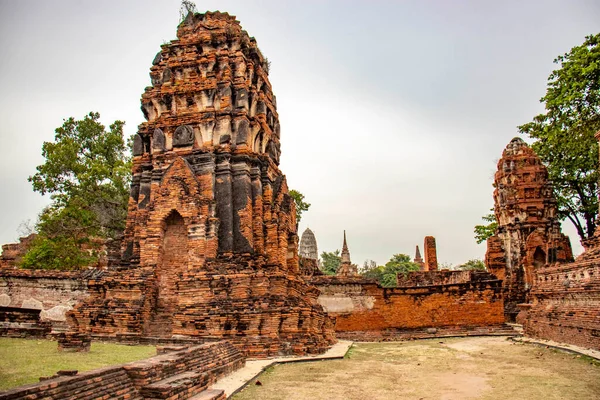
x=23, y=361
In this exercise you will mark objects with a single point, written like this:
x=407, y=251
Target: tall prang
x=528, y=234
x=308, y=245
x=210, y=249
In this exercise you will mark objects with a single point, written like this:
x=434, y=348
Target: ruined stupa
x=418, y=259
x=528, y=234
x=346, y=267
x=210, y=249
x=308, y=245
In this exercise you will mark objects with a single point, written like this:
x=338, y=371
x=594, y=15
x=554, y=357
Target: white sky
x=393, y=113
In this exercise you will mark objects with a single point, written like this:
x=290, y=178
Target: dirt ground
x=440, y=369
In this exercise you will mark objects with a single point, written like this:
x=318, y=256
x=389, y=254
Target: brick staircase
x=185, y=373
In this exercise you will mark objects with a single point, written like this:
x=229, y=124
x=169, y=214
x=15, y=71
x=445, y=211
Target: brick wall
x=565, y=304
x=179, y=374
x=52, y=292
x=465, y=299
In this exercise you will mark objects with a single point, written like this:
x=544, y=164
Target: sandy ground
x=440, y=369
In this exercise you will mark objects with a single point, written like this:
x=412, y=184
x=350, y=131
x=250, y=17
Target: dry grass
x=447, y=369
x=23, y=361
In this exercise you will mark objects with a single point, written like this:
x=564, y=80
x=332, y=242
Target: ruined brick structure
x=13, y=252
x=418, y=259
x=431, y=263
x=564, y=301
x=425, y=304
x=210, y=248
x=176, y=373
x=528, y=234
x=346, y=267
x=308, y=245
x=53, y=293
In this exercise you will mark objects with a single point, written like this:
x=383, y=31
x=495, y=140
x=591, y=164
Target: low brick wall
x=472, y=300
x=52, y=292
x=22, y=322
x=179, y=374
x=565, y=304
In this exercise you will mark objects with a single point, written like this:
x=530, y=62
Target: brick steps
x=180, y=386
x=212, y=394
x=108, y=383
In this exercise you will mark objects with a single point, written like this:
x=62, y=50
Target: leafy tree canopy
x=484, y=232
x=87, y=174
x=330, y=262
x=301, y=205
x=564, y=134
x=386, y=274
x=473, y=265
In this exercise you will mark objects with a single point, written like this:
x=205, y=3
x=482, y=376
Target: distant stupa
x=308, y=245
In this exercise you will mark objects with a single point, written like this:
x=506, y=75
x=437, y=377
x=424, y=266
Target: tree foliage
x=472, y=265
x=484, y=232
x=330, y=262
x=87, y=174
x=386, y=274
x=186, y=7
x=301, y=205
x=564, y=134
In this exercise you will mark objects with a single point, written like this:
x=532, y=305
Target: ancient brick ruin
x=178, y=374
x=528, y=234
x=308, y=245
x=429, y=247
x=346, y=267
x=425, y=304
x=210, y=249
x=564, y=302
x=418, y=259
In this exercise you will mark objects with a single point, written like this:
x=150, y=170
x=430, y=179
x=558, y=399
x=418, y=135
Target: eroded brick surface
x=529, y=234
x=446, y=300
x=210, y=248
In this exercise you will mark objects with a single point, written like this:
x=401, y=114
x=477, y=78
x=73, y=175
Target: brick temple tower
x=418, y=259
x=210, y=249
x=346, y=268
x=528, y=234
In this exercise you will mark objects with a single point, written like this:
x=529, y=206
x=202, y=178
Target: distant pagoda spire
x=345, y=252
x=346, y=267
x=418, y=259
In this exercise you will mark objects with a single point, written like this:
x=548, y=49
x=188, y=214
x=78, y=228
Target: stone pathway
x=233, y=383
x=561, y=346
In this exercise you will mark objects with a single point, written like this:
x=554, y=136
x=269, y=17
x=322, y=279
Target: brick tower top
x=523, y=196
x=210, y=91
x=345, y=251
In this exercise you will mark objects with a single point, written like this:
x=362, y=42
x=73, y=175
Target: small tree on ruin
x=330, y=262
x=87, y=174
x=301, y=205
x=484, y=232
x=564, y=134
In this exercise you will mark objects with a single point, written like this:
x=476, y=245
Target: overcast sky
x=393, y=113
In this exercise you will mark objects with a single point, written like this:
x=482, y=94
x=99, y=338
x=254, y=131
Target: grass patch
x=486, y=368
x=23, y=361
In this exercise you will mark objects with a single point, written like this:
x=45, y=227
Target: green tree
x=387, y=275
x=87, y=174
x=564, y=134
x=330, y=262
x=484, y=232
x=472, y=265
x=301, y=205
